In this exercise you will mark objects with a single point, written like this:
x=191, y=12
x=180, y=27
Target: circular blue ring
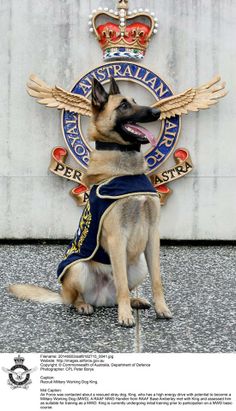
x=71, y=122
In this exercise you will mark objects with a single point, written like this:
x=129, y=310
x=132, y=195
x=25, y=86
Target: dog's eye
x=124, y=105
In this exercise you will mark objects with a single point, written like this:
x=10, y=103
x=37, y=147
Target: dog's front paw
x=84, y=309
x=163, y=311
x=126, y=318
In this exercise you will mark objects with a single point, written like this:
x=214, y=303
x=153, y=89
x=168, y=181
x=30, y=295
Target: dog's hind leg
x=139, y=303
x=68, y=292
x=82, y=307
x=71, y=293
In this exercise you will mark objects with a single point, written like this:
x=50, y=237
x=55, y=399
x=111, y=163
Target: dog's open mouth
x=140, y=133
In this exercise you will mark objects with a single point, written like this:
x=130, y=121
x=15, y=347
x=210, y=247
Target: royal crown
x=19, y=360
x=123, y=33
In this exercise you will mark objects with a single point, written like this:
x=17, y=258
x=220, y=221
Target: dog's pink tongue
x=143, y=131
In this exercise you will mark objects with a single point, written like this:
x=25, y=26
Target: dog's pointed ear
x=99, y=95
x=114, y=89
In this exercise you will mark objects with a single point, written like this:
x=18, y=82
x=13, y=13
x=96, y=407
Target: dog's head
x=116, y=117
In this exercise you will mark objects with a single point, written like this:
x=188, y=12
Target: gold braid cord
x=57, y=97
x=192, y=99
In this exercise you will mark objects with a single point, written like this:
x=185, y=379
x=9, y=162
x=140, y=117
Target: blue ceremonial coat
x=85, y=245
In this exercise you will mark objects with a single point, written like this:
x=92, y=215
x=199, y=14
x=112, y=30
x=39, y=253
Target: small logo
x=19, y=374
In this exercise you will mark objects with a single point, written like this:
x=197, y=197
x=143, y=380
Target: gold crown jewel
x=123, y=33
x=19, y=359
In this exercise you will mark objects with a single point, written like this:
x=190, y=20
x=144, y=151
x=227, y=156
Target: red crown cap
x=125, y=36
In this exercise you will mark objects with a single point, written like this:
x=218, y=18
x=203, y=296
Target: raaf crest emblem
x=124, y=38
x=19, y=374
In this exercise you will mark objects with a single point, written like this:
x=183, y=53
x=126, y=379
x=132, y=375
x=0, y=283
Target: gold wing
x=193, y=99
x=57, y=97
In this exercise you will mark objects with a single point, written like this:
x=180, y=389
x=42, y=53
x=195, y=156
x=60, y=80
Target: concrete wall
x=196, y=40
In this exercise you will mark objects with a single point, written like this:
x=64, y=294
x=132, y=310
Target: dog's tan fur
x=112, y=164
x=129, y=231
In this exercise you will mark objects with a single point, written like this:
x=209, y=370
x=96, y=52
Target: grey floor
x=199, y=285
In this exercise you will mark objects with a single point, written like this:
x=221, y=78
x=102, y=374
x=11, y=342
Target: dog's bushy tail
x=35, y=293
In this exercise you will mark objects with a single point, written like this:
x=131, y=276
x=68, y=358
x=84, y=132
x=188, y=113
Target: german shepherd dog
x=129, y=230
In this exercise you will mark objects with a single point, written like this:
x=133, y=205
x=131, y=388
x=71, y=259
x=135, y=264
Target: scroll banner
x=58, y=167
x=81, y=192
x=183, y=166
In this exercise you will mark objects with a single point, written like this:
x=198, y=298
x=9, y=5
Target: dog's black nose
x=156, y=113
